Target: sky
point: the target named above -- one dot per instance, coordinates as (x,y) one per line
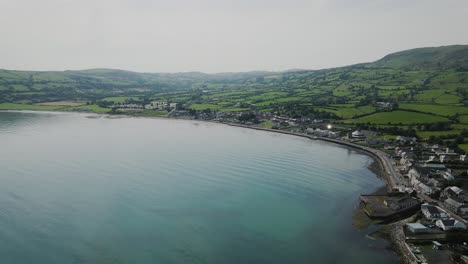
(220,35)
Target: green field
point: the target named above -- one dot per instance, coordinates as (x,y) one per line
(463,119)
(10,106)
(348,112)
(204,106)
(442,110)
(398,117)
(119,99)
(88,108)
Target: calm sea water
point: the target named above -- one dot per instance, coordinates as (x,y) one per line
(77,188)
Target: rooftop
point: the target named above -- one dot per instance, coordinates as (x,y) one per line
(416,226)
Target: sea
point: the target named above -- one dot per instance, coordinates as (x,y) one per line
(87,188)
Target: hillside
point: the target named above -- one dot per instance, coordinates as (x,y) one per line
(439,58)
(418,88)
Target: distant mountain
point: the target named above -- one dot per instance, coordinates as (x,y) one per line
(435,58)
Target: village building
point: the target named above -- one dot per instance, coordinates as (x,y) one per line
(406,139)
(463,212)
(432,159)
(384,104)
(433,213)
(453,192)
(453,205)
(464,158)
(420,187)
(322,132)
(450,224)
(358,134)
(432,166)
(413,173)
(446,155)
(447,175)
(402,203)
(417,228)
(435,184)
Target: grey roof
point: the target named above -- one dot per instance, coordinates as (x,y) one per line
(452,202)
(455,189)
(448,222)
(432,209)
(416,226)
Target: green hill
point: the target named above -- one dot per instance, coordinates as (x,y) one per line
(438,58)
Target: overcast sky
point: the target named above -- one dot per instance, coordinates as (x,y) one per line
(220,35)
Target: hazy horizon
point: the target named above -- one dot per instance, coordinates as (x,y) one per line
(220,36)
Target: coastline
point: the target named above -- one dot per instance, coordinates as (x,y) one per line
(377,166)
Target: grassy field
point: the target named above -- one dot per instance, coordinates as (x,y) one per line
(204,106)
(88,108)
(154,113)
(464,147)
(348,112)
(267,124)
(397,118)
(61,103)
(442,110)
(463,119)
(11,106)
(119,99)
(427,134)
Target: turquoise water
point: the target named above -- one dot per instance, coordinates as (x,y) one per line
(79,188)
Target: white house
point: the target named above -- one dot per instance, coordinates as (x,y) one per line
(413,173)
(464,158)
(447,175)
(358,134)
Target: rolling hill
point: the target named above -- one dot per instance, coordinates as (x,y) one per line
(439,58)
(423,86)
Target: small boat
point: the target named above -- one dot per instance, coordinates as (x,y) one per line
(315,138)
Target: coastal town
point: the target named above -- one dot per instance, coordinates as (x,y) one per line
(426,201)
(231,132)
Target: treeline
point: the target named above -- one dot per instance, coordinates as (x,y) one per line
(409,132)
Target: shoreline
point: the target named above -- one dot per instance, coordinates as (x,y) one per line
(380,170)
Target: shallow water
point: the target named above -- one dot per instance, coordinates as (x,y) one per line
(76,189)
